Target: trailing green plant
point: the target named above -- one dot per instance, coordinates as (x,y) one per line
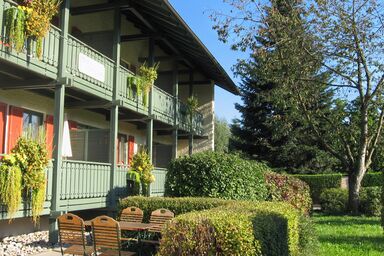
(289,189)
(10,184)
(148,76)
(15,18)
(218,175)
(32,157)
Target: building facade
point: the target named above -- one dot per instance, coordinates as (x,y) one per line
(85,75)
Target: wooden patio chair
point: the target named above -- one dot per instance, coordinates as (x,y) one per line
(158,218)
(106,235)
(132,214)
(72,232)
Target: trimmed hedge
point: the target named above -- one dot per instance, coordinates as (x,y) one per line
(335,201)
(217,175)
(284,188)
(373,179)
(320,182)
(178,205)
(207,226)
(382,203)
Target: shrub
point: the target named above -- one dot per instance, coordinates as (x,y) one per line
(289,189)
(318,183)
(209,233)
(218,175)
(372,179)
(239,228)
(334,201)
(177,205)
(382,203)
(370,201)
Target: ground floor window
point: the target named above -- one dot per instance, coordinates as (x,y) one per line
(32,122)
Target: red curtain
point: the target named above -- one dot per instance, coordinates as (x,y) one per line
(49,134)
(131,148)
(3,121)
(15,126)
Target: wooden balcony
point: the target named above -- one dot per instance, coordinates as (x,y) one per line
(99,83)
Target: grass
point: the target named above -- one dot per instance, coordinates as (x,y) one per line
(349,236)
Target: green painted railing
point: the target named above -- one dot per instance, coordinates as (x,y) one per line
(163,105)
(84,180)
(78,50)
(157,188)
(121,181)
(128,95)
(184,120)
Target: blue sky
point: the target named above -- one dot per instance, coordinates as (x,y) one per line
(196,14)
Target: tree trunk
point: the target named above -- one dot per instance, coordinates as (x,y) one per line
(354,184)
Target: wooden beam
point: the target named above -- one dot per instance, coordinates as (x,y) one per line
(91,8)
(137,37)
(162,58)
(170,72)
(89,105)
(200,82)
(141,120)
(28,85)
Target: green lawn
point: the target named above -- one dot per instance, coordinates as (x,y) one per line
(349,236)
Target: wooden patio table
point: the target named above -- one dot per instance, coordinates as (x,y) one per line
(129,226)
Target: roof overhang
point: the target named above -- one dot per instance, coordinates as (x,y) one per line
(166,20)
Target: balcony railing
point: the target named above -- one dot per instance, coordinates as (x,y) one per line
(91,72)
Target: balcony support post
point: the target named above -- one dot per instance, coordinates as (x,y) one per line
(1,18)
(151,62)
(59,123)
(190,138)
(176,109)
(114,122)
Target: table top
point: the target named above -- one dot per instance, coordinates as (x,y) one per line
(132,226)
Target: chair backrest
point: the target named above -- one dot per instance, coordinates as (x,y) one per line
(159,218)
(106,233)
(71,229)
(132,214)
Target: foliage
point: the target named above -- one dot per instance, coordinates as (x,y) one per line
(222,135)
(370,201)
(312,47)
(334,201)
(178,205)
(318,183)
(192,105)
(148,76)
(31,20)
(219,175)
(284,188)
(141,163)
(10,184)
(32,157)
(209,233)
(238,228)
(382,203)
(372,179)
(348,236)
(14,21)
(264,132)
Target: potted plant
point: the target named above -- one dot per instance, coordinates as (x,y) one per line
(192,104)
(141,170)
(148,76)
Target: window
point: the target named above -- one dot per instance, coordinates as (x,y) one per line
(32,122)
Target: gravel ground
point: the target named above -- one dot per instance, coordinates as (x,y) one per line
(25,245)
